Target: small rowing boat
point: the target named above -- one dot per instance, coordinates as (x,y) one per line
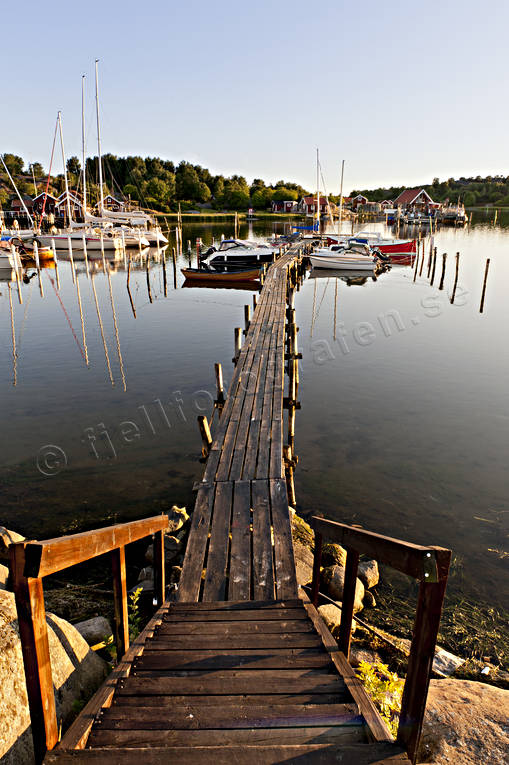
(203,274)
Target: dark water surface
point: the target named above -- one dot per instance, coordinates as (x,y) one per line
(404,421)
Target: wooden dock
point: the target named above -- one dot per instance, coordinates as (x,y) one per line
(241,668)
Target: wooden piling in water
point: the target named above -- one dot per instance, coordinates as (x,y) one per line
(219,387)
(481,307)
(174,258)
(237,333)
(455,278)
(254,302)
(444,259)
(434,265)
(247,318)
(206,436)
(129,289)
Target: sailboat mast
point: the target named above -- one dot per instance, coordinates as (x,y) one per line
(341,197)
(84,162)
(65,167)
(99,135)
(317,190)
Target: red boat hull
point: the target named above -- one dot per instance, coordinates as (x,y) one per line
(398,248)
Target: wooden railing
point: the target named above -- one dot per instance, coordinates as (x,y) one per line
(29,563)
(430,566)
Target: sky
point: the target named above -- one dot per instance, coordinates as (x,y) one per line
(403,92)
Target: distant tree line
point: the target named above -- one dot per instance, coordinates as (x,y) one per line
(154,183)
(478,191)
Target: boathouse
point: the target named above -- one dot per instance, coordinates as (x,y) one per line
(17,206)
(113,204)
(359,201)
(286,206)
(416,200)
(74,201)
(307,205)
(38,203)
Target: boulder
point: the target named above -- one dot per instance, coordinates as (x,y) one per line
(465,722)
(334,580)
(332,554)
(302,532)
(94,630)
(303,563)
(368,573)
(77,673)
(361,653)
(369,600)
(172,548)
(177,516)
(146,573)
(7,538)
(176,571)
(332,618)
(146,585)
(4,577)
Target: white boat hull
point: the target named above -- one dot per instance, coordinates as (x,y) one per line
(363,263)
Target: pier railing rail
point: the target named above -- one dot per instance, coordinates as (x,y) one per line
(428,565)
(30,562)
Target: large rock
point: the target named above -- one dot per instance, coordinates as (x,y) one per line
(333,554)
(172,548)
(4,577)
(334,580)
(7,538)
(368,573)
(77,673)
(303,563)
(177,516)
(302,531)
(332,617)
(465,722)
(94,630)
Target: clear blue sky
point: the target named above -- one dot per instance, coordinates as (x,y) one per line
(402,91)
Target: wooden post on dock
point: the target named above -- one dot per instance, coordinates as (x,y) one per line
(444,258)
(206,437)
(174,258)
(481,307)
(165,284)
(455,278)
(434,263)
(254,302)
(120,601)
(237,332)
(247,318)
(219,387)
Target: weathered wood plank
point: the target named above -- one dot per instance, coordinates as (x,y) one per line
(270,640)
(194,559)
(304,754)
(201,718)
(295,658)
(214,586)
(169,702)
(242,681)
(286,578)
(263,562)
(239,584)
(234,627)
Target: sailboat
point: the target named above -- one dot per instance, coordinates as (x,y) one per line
(125,220)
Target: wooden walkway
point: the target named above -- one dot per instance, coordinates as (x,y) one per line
(239,670)
(243,493)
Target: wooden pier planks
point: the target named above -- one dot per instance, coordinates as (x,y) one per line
(240,544)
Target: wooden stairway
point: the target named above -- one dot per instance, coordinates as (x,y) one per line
(238,682)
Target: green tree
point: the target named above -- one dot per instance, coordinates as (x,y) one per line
(14,163)
(37,169)
(130,191)
(73,166)
(189,185)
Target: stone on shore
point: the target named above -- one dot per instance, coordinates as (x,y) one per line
(7,538)
(332,618)
(368,573)
(303,563)
(334,580)
(77,673)
(4,577)
(466,722)
(94,630)
(177,516)
(333,554)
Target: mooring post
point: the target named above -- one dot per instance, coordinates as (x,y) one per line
(481,308)
(434,266)
(247,318)
(444,258)
(255,299)
(455,278)
(206,437)
(219,386)
(237,333)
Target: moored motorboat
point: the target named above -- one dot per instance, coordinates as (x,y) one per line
(239,253)
(344,262)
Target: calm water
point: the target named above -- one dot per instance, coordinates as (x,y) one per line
(404,418)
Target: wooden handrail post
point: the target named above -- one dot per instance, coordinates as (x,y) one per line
(120,601)
(159,571)
(206,436)
(33,632)
(219,386)
(317,562)
(348,601)
(422,651)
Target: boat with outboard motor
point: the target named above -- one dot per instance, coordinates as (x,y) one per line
(221,275)
(239,252)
